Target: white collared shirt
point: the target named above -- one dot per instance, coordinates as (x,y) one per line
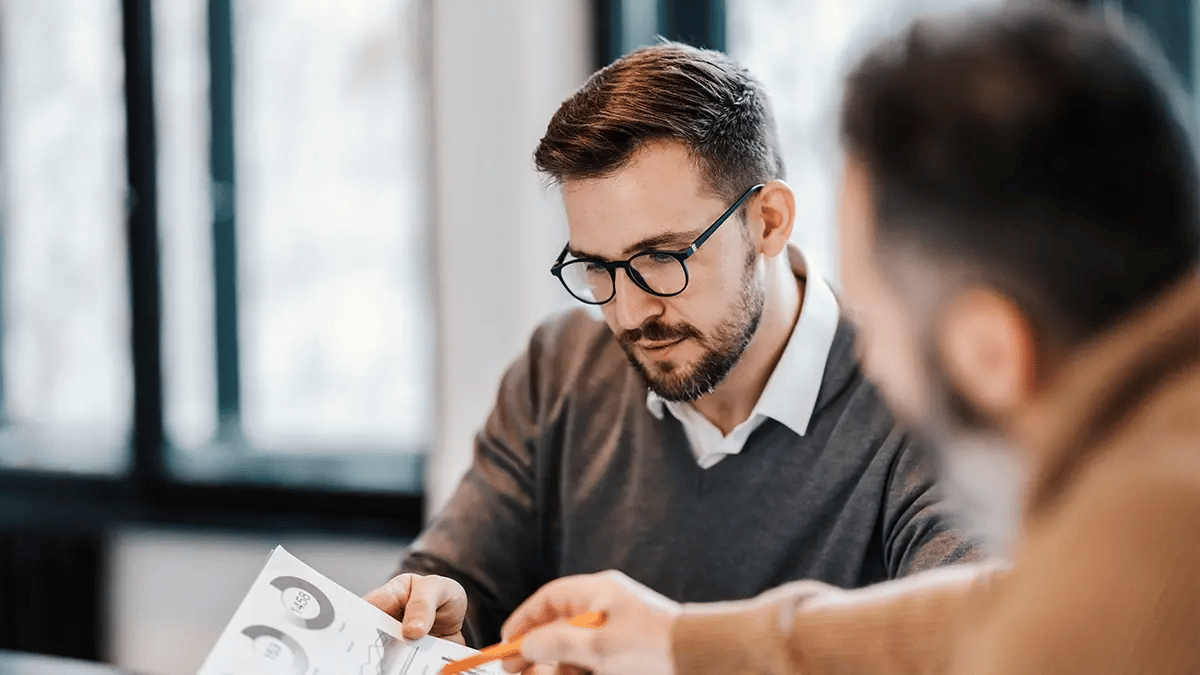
(790,396)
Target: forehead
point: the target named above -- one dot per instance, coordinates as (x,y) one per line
(659,193)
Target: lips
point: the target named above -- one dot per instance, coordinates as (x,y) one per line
(660,346)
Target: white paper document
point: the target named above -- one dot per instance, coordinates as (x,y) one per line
(294,621)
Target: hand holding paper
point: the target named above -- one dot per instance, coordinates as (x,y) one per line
(634,640)
(294,621)
(425,605)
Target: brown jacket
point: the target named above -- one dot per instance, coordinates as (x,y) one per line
(1106,576)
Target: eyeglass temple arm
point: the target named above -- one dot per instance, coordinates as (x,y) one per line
(724,216)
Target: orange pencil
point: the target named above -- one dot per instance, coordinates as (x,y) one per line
(507,649)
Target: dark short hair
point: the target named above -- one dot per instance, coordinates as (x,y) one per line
(667,92)
(1037,146)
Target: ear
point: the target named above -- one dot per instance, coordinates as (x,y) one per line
(988,348)
(771,215)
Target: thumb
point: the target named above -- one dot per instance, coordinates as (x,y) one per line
(564,643)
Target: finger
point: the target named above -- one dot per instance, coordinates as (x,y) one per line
(553,669)
(518,664)
(434,602)
(531,614)
(543,669)
(560,599)
(392,596)
(451,609)
(563,643)
(515,664)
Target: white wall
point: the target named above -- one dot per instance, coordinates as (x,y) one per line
(172,592)
(500,69)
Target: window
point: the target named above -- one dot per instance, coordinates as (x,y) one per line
(215,269)
(297,328)
(800,50)
(66,400)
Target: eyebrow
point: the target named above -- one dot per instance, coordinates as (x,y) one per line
(670,241)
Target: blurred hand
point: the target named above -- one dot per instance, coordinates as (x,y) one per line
(426,605)
(634,640)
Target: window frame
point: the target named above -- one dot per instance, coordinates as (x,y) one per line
(149,492)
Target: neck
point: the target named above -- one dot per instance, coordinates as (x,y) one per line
(734,399)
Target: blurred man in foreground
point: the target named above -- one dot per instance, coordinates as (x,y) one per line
(1020,235)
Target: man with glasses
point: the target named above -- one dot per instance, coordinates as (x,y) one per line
(713,435)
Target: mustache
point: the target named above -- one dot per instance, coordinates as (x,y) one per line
(657,331)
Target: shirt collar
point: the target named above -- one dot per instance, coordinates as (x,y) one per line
(790,396)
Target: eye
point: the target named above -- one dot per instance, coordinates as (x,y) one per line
(661,258)
(592,267)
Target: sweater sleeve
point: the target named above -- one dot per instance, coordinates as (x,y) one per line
(487,536)
(1112,585)
(918,529)
(896,628)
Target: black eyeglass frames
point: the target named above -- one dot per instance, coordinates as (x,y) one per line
(660,273)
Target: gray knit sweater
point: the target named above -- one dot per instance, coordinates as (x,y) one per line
(573,474)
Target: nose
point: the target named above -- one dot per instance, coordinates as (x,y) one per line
(631,305)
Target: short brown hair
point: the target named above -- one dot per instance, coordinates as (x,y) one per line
(667,92)
(1042,147)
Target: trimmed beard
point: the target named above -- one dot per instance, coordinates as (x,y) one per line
(728,342)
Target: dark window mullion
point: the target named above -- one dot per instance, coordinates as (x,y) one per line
(1173,24)
(623,25)
(224,202)
(142,237)
(697,22)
